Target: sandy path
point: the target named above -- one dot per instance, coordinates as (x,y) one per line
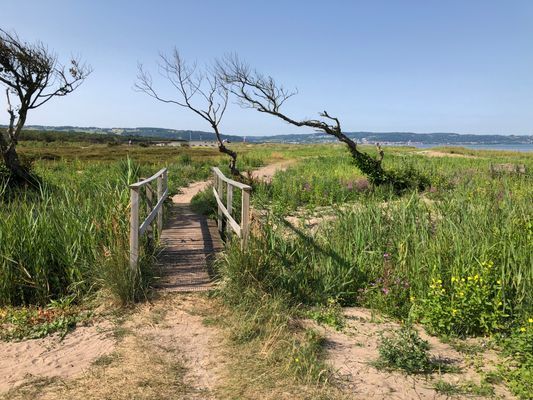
(164,351)
(352,352)
(264,173)
(434,153)
(50,357)
(169,327)
(267,172)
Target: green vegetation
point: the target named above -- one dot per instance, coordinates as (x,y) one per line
(518,348)
(406,351)
(37,322)
(456,257)
(465,388)
(265,320)
(70,237)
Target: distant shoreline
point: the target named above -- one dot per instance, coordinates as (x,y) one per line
(509,147)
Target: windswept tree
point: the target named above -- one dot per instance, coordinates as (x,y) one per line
(262,93)
(199,90)
(32,76)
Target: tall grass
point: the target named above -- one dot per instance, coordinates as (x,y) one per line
(68,238)
(71,236)
(387,250)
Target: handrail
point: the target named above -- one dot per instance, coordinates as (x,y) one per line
(148,180)
(242,230)
(137,229)
(233,183)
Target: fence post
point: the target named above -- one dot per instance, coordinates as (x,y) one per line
(160,211)
(229,206)
(245,217)
(134,229)
(149,205)
(220,189)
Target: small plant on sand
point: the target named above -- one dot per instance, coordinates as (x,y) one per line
(405,351)
(330,315)
(37,322)
(518,370)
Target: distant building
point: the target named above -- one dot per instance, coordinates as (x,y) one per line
(174,143)
(203,143)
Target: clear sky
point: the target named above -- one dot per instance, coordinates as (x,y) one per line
(420,66)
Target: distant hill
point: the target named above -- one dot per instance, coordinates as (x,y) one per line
(148,132)
(399,138)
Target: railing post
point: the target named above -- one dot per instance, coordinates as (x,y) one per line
(134,229)
(229,206)
(220,190)
(245,217)
(160,192)
(149,206)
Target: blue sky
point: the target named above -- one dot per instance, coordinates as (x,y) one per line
(420,66)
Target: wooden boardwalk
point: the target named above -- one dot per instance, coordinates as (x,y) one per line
(190,242)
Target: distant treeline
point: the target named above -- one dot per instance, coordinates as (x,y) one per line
(54,136)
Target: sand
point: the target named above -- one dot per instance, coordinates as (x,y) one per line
(52,357)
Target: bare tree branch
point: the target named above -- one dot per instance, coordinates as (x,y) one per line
(32,73)
(201,91)
(255,90)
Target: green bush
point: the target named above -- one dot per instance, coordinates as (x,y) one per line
(406,351)
(465,305)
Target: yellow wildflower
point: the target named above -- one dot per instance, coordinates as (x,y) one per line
(499,282)
(476,277)
(522,329)
(530,320)
(412,298)
(461,294)
(454,311)
(454,279)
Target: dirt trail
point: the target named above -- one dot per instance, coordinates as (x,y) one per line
(352,352)
(434,153)
(165,346)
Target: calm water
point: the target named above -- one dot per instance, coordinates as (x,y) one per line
(510,147)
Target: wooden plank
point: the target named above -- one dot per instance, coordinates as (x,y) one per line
(229,206)
(148,180)
(149,204)
(218,192)
(160,192)
(245,217)
(233,183)
(153,214)
(189,242)
(134,228)
(234,225)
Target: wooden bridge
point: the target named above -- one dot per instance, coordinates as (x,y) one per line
(189,241)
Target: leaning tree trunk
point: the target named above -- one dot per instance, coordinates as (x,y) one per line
(223,149)
(233,159)
(19,174)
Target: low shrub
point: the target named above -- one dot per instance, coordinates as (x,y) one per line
(406,351)
(465,305)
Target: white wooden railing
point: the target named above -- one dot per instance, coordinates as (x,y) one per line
(226,211)
(138,229)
